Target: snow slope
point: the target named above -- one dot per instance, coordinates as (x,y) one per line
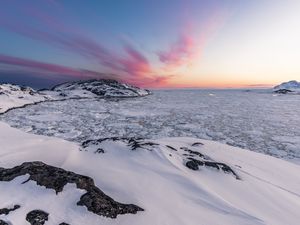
(16,96)
(156,178)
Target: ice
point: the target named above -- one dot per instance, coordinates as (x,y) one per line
(255,120)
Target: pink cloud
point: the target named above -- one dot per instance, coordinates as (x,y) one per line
(179,52)
(135,63)
(42,69)
(8,60)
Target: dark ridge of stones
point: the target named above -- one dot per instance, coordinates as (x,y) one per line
(2,222)
(197,144)
(6,211)
(56,178)
(194,164)
(64,224)
(133,143)
(37,217)
(283,91)
(99,150)
(136,143)
(170,147)
(193,152)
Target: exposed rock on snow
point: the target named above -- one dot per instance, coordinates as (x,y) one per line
(2,222)
(292,86)
(6,211)
(56,178)
(96,88)
(193,159)
(37,217)
(132,143)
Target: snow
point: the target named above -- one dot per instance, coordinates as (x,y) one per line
(156,177)
(170,193)
(254,120)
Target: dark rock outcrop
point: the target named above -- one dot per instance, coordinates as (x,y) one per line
(37,217)
(6,211)
(2,222)
(283,91)
(194,164)
(56,178)
(133,143)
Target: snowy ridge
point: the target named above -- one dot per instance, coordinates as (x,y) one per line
(12,96)
(94,88)
(288,87)
(16,96)
(154,175)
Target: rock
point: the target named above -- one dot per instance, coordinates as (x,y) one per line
(56,178)
(133,143)
(2,222)
(172,148)
(197,144)
(37,217)
(64,224)
(283,91)
(194,164)
(6,211)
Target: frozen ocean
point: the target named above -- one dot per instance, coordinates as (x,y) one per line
(252,119)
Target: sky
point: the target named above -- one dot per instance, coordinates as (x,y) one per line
(151,43)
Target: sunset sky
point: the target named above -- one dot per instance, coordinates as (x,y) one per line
(154,43)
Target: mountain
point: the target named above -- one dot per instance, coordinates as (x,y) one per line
(137,181)
(288,87)
(12,96)
(16,96)
(98,88)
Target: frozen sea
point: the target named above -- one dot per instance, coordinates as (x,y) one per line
(257,120)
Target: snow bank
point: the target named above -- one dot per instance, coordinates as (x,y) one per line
(155,178)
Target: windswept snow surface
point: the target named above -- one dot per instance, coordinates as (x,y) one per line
(255,120)
(156,180)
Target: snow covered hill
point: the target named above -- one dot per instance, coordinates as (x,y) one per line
(16,96)
(288,87)
(96,88)
(167,181)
